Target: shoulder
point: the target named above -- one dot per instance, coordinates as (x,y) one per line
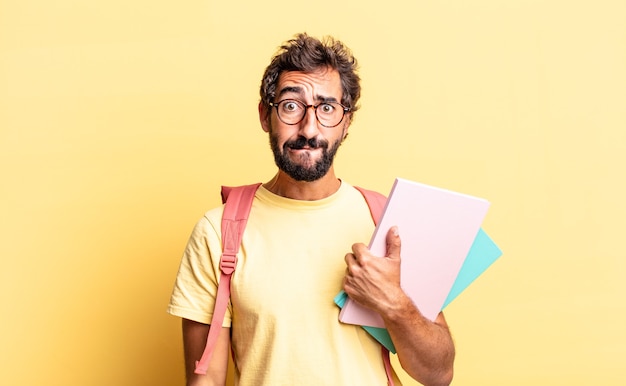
(360,188)
(208,225)
(375,201)
(371,196)
(370,193)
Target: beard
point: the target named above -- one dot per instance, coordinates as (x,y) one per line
(302,172)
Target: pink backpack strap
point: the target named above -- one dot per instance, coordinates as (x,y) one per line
(376,202)
(238,202)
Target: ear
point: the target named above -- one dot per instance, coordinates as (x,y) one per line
(346,124)
(264,117)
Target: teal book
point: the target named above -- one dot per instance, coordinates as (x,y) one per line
(483,253)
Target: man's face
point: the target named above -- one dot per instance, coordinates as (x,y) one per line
(305,151)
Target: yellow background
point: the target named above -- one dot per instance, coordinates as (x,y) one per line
(120,119)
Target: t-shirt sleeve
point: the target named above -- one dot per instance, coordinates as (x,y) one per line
(195,289)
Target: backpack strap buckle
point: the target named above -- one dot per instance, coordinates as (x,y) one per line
(228,262)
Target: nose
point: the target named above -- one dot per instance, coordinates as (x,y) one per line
(308,126)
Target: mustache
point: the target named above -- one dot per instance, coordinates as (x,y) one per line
(301,142)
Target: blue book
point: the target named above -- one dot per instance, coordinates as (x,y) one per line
(482,254)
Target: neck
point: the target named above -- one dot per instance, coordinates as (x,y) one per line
(285,186)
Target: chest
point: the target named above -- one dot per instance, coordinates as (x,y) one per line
(297,259)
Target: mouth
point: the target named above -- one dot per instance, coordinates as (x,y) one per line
(294,148)
(305,152)
(303,144)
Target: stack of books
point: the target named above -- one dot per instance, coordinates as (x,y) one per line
(443,250)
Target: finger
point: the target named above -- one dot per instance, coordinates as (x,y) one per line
(350,259)
(359,248)
(393,242)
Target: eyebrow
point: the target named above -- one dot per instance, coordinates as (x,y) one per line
(298,90)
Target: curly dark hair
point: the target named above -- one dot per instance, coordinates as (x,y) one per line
(307,54)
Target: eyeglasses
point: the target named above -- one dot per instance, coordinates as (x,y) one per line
(292,112)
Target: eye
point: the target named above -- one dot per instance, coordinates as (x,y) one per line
(326,108)
(291,106)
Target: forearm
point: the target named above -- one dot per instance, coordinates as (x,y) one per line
(425,348)
(194,339)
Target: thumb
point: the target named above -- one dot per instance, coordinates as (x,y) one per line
(393,242)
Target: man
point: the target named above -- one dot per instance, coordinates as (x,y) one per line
(282,323)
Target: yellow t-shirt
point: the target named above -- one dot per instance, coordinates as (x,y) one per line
(284,323)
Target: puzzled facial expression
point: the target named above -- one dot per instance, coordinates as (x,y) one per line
(306,150)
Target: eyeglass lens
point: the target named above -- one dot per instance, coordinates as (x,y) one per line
(292,111)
